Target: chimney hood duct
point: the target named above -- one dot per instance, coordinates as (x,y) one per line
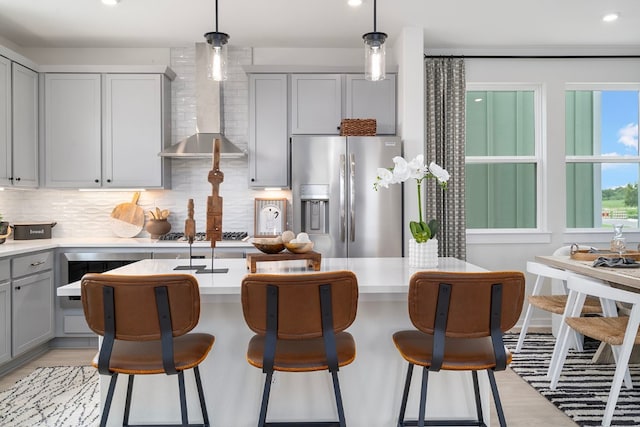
(208,119)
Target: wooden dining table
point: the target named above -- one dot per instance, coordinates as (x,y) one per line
(627,278)
(624,277)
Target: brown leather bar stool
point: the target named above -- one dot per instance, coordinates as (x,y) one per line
(144,322)
(460,319)
(299,321)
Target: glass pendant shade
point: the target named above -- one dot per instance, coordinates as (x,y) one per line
(217,63)
(374,56)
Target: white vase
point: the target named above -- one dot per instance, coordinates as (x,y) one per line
(423,255)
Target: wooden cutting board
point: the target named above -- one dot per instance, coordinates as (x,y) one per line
(127,219)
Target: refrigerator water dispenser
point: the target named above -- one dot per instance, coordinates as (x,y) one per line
(315,208)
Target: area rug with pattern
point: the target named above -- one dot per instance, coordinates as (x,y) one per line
(584,386)
(61,396)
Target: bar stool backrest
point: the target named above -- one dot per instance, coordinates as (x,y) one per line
(136,311)
(299,309)
(470,301)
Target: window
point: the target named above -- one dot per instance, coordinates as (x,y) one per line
(602,156)
(502,157)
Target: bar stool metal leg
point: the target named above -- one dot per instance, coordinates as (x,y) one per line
(127,406)
(496,398)
(265,399)
(336,391)
(476,389)
(183,399)
(203,406)
(107,403)
(405,395)
(423,396)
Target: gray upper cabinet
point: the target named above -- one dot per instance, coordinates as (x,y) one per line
(316,104)
(268,131)
(25,126)
(18,125)
(72,128)
(133,131)
(319,102)
(5,121)
(109,127)
(372,100)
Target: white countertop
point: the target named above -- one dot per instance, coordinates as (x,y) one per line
(17,247)
(375,275)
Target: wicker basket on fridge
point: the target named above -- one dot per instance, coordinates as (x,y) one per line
(358,127)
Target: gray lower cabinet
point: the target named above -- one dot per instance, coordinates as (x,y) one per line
(32,305)
(5,312)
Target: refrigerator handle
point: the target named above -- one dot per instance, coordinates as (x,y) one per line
(342,201)
(352,196)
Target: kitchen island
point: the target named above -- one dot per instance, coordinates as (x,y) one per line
(371,385)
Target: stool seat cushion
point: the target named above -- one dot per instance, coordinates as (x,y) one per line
(145,357)
(460,354)
(302,355)
(556,304)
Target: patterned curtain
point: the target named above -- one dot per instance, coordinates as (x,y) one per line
(445,145)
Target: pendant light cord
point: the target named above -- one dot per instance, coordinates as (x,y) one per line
(216,16)
(374,15)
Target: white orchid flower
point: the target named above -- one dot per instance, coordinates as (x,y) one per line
(401,171)
(441,174)
(417,170)
(417,167)
(384,178)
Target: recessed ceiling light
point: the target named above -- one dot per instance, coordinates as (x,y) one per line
(110,2)
(478,100)
(354,3)
(610,17)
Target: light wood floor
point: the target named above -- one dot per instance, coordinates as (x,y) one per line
(523,406)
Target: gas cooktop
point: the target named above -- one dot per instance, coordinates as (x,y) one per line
(200,236)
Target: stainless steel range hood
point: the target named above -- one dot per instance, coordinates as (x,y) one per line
(209,120)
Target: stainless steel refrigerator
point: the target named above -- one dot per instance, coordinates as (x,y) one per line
(334,200)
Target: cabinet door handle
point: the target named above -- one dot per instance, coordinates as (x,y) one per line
(37,263)
(18,179)
(17,288)
(96,181)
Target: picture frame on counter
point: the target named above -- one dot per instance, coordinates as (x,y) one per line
(270,217)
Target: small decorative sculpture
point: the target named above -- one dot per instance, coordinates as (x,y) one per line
(214,202)
(190,223)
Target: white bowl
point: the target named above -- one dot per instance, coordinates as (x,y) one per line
(299,248)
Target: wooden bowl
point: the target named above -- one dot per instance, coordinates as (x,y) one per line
(299,248)
(269,248)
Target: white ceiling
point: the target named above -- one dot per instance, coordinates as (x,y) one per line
(447,24)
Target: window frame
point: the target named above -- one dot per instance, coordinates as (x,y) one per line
(539,234)
(587,233)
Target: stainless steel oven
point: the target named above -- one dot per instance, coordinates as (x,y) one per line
(72,265)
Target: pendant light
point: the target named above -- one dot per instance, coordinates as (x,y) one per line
(217,64)
(374,52)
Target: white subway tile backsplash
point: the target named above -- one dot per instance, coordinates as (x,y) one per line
(82,214)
